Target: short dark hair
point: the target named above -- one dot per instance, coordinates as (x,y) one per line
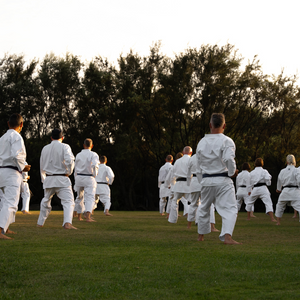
(56,134)
(169,158)
(246,166)
(217,120)
(259,162)
(103,159)
(178,155)
(88,143)
(15,120)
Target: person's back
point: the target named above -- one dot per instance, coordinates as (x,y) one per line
(215,154)
(56,164)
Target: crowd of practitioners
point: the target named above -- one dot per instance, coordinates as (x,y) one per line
(57,162)
(203,182)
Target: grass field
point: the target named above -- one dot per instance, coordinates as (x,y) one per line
(139,255)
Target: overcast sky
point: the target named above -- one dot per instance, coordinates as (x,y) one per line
(268,29)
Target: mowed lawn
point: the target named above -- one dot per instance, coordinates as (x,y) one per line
(139,255)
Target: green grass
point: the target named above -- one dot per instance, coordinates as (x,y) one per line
(139,255)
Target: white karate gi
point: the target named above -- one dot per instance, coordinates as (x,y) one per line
(243,188)
(215,154)
(181,189)
(57,158)
(290,176)
(260,175)
(195,188)
(164,191)
(12,153)
(86,169)
(104,179)
(25,192)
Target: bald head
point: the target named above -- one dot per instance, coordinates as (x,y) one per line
(187,150)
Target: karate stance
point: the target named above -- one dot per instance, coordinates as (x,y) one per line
(216,164)
(195,188)
(56,165)
(243,188)
(12,164)
(25,194)
(104,179)
(164,191)
(259,180)
(86,169)
(288,186)
(181,189)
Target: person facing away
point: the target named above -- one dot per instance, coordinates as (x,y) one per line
(216,166)
(181,189)
(12,164)
(86,169)
(56,165)
(243,187)
(259,180)
(104,179)
(288,183)
(164,192)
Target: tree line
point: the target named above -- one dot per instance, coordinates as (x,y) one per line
(143,108)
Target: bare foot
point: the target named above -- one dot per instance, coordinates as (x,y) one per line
(215,230)
(200,237)
(90,220)
(189,225)
(39,225)
(10,232)
(108,214)
(25,212)
(69,226)
(294,217)
(274,220)
(248,219)
(252,216)
(229,241)
(75,214)
(4,237)
(162,214)
(277,223)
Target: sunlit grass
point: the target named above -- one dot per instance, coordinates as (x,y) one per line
(139,255)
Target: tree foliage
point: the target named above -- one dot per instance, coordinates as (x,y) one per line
(147,107)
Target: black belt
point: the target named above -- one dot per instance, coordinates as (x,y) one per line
(24,180)
(225,174)
(290,186)
(66,175)
(85,174)
(243,186)
(11,167)
(194,175)
(259,184)
(181,179)
(102,183)
(162,182)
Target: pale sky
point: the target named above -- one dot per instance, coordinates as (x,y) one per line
(88,28)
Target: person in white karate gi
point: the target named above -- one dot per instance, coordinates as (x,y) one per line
(25,194)
(259,180)
(216,164)
(243,187)
(164,191)
(181,189)
(56,165)
(86,169)
(12,164)
(169,184)
(104,179)
(288,183)
(195,188)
